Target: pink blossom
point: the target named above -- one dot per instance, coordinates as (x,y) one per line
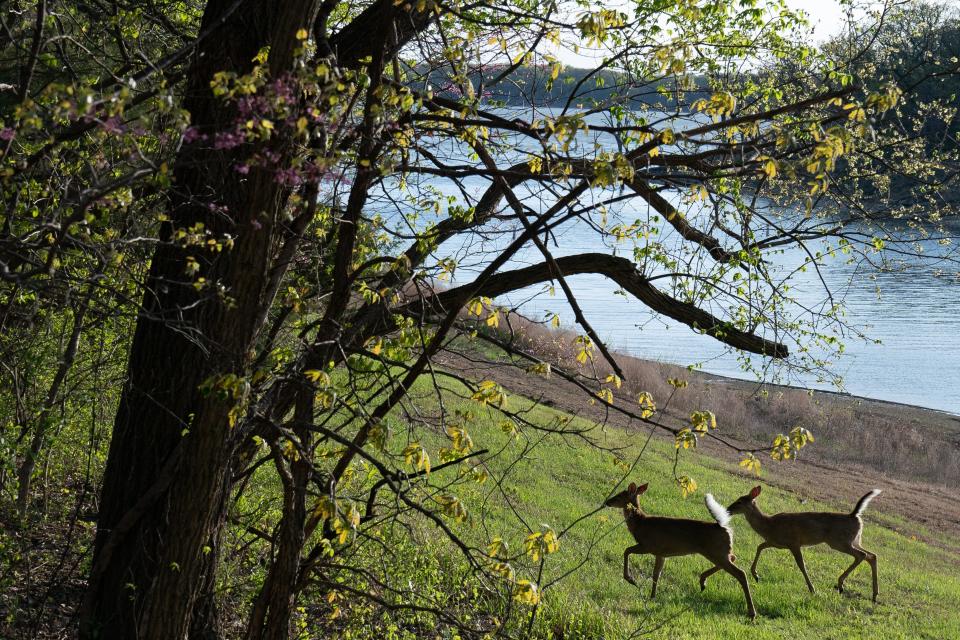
(283,88)
(192,134)
(6,134)
(248,106)
(242,169)
(113,125)
(227,140)
(287,177)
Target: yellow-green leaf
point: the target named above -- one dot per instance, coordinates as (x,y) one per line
(751,463)
(647,406)
(686,438)
(415,455)
(687,485)
(526,592)
(703,421)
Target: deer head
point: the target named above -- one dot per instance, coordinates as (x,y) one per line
(744,502)
(627,497)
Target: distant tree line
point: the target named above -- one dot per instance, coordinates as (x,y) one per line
(554,85)
(916,48)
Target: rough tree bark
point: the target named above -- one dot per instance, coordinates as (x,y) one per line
(168,472)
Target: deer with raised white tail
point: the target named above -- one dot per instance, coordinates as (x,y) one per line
(665,537)
(792,531)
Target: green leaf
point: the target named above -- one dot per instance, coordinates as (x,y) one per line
(751,463)
(703,421)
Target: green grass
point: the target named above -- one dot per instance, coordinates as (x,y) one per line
(562,478)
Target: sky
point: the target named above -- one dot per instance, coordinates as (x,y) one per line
(826,16)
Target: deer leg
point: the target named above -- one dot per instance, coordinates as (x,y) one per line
(871,558)
(626,562)
(859,556)
(728,566)
(756,559)
(798,556)
(657,569)
(706,574)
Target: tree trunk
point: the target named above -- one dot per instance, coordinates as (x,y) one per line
(270,617)
(166,484)
(168,472)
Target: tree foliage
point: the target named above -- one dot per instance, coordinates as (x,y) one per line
(280,222)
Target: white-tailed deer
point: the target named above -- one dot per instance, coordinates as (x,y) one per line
(795,530)
(665,537)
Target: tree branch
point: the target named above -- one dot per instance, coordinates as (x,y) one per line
(625,274)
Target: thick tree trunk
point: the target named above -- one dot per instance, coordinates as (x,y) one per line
(168,473)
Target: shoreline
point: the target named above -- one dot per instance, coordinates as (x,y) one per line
(902,440)
(725,379)
(942,419)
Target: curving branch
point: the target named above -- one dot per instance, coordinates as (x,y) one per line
(624,273)
(679,222)
(353,43)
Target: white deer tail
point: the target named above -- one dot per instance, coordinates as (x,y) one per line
(721,515)
(864,501)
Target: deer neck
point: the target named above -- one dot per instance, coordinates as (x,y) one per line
(758,520)
(634,517)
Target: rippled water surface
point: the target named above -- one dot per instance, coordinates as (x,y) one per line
(911,316)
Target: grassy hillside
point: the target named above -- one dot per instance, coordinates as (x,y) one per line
(561,478)
(538,479)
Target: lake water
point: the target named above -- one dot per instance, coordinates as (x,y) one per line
(911,316)
(911,353)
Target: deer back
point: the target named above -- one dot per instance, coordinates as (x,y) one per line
(678,536)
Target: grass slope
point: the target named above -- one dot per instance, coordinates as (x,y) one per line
(562,478)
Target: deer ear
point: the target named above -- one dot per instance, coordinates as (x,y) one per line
(755,492)
(641,488)
(632,488)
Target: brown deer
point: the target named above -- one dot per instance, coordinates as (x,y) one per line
(795,530)
(665,537)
